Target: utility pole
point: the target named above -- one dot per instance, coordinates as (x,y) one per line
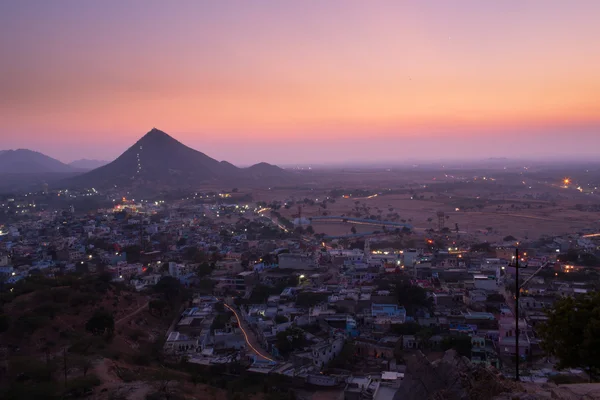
(518,289)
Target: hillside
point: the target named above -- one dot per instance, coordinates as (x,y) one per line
(45,326)
(87,165)
(265,170)
(23,161)
(50,348)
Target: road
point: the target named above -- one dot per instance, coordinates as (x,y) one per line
(246,335)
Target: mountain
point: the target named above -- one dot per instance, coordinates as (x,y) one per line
(87,165)
(24,161)
(157,160)
(265,170)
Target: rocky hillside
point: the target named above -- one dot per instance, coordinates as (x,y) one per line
(455,378)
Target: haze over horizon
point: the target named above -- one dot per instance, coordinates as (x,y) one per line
(295,82)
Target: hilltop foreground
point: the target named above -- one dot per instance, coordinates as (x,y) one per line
(454,377)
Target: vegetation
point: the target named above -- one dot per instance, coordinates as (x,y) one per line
(308,299)
(412,297)
(101,323)
(345,358)
(291,339)
(482,247)
(572,333)
(461,343)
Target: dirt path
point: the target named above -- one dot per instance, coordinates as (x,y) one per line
(139,310)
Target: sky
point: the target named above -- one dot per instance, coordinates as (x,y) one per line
(302,82)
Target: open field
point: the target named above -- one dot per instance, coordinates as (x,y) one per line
(483,209)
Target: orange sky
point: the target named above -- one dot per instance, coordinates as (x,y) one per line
(87,79)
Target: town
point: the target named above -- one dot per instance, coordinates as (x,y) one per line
(241,285)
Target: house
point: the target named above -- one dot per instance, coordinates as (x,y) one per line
(296,261)
(507,340)
(178,342)
(387,310)
(323,353)
(229,338)
(145,281)
(474,296)
(482,351)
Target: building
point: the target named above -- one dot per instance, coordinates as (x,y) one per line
(324,353)
(297,261)
(178,342)
(387,310)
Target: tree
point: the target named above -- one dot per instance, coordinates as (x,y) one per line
(204,269)
(495,298)
(345,357)
(158,307)
(408,328)
(101,322)
(510,238)
(482,247)
(83,363)
(169,287)
(310,230)
(412,297)
(572,333)
(289,340)
(310,299)
(353,229)
(399,351)
(424,337)
(461,343)
(194,254)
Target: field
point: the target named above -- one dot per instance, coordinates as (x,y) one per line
(483,210)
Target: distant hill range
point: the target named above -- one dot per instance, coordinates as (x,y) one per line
(87,165)
(24,161)
(160,161)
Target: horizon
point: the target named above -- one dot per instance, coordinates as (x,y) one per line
(536,159)
(287,83)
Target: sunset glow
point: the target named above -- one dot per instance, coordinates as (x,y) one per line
(236,79)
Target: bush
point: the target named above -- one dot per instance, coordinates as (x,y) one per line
(101,322)
(82,385)
(28,324)
(38,391)
(562,379)
(61,295)
(83,299)
(136,334)
(4,323)
(30,369)
(48,310)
